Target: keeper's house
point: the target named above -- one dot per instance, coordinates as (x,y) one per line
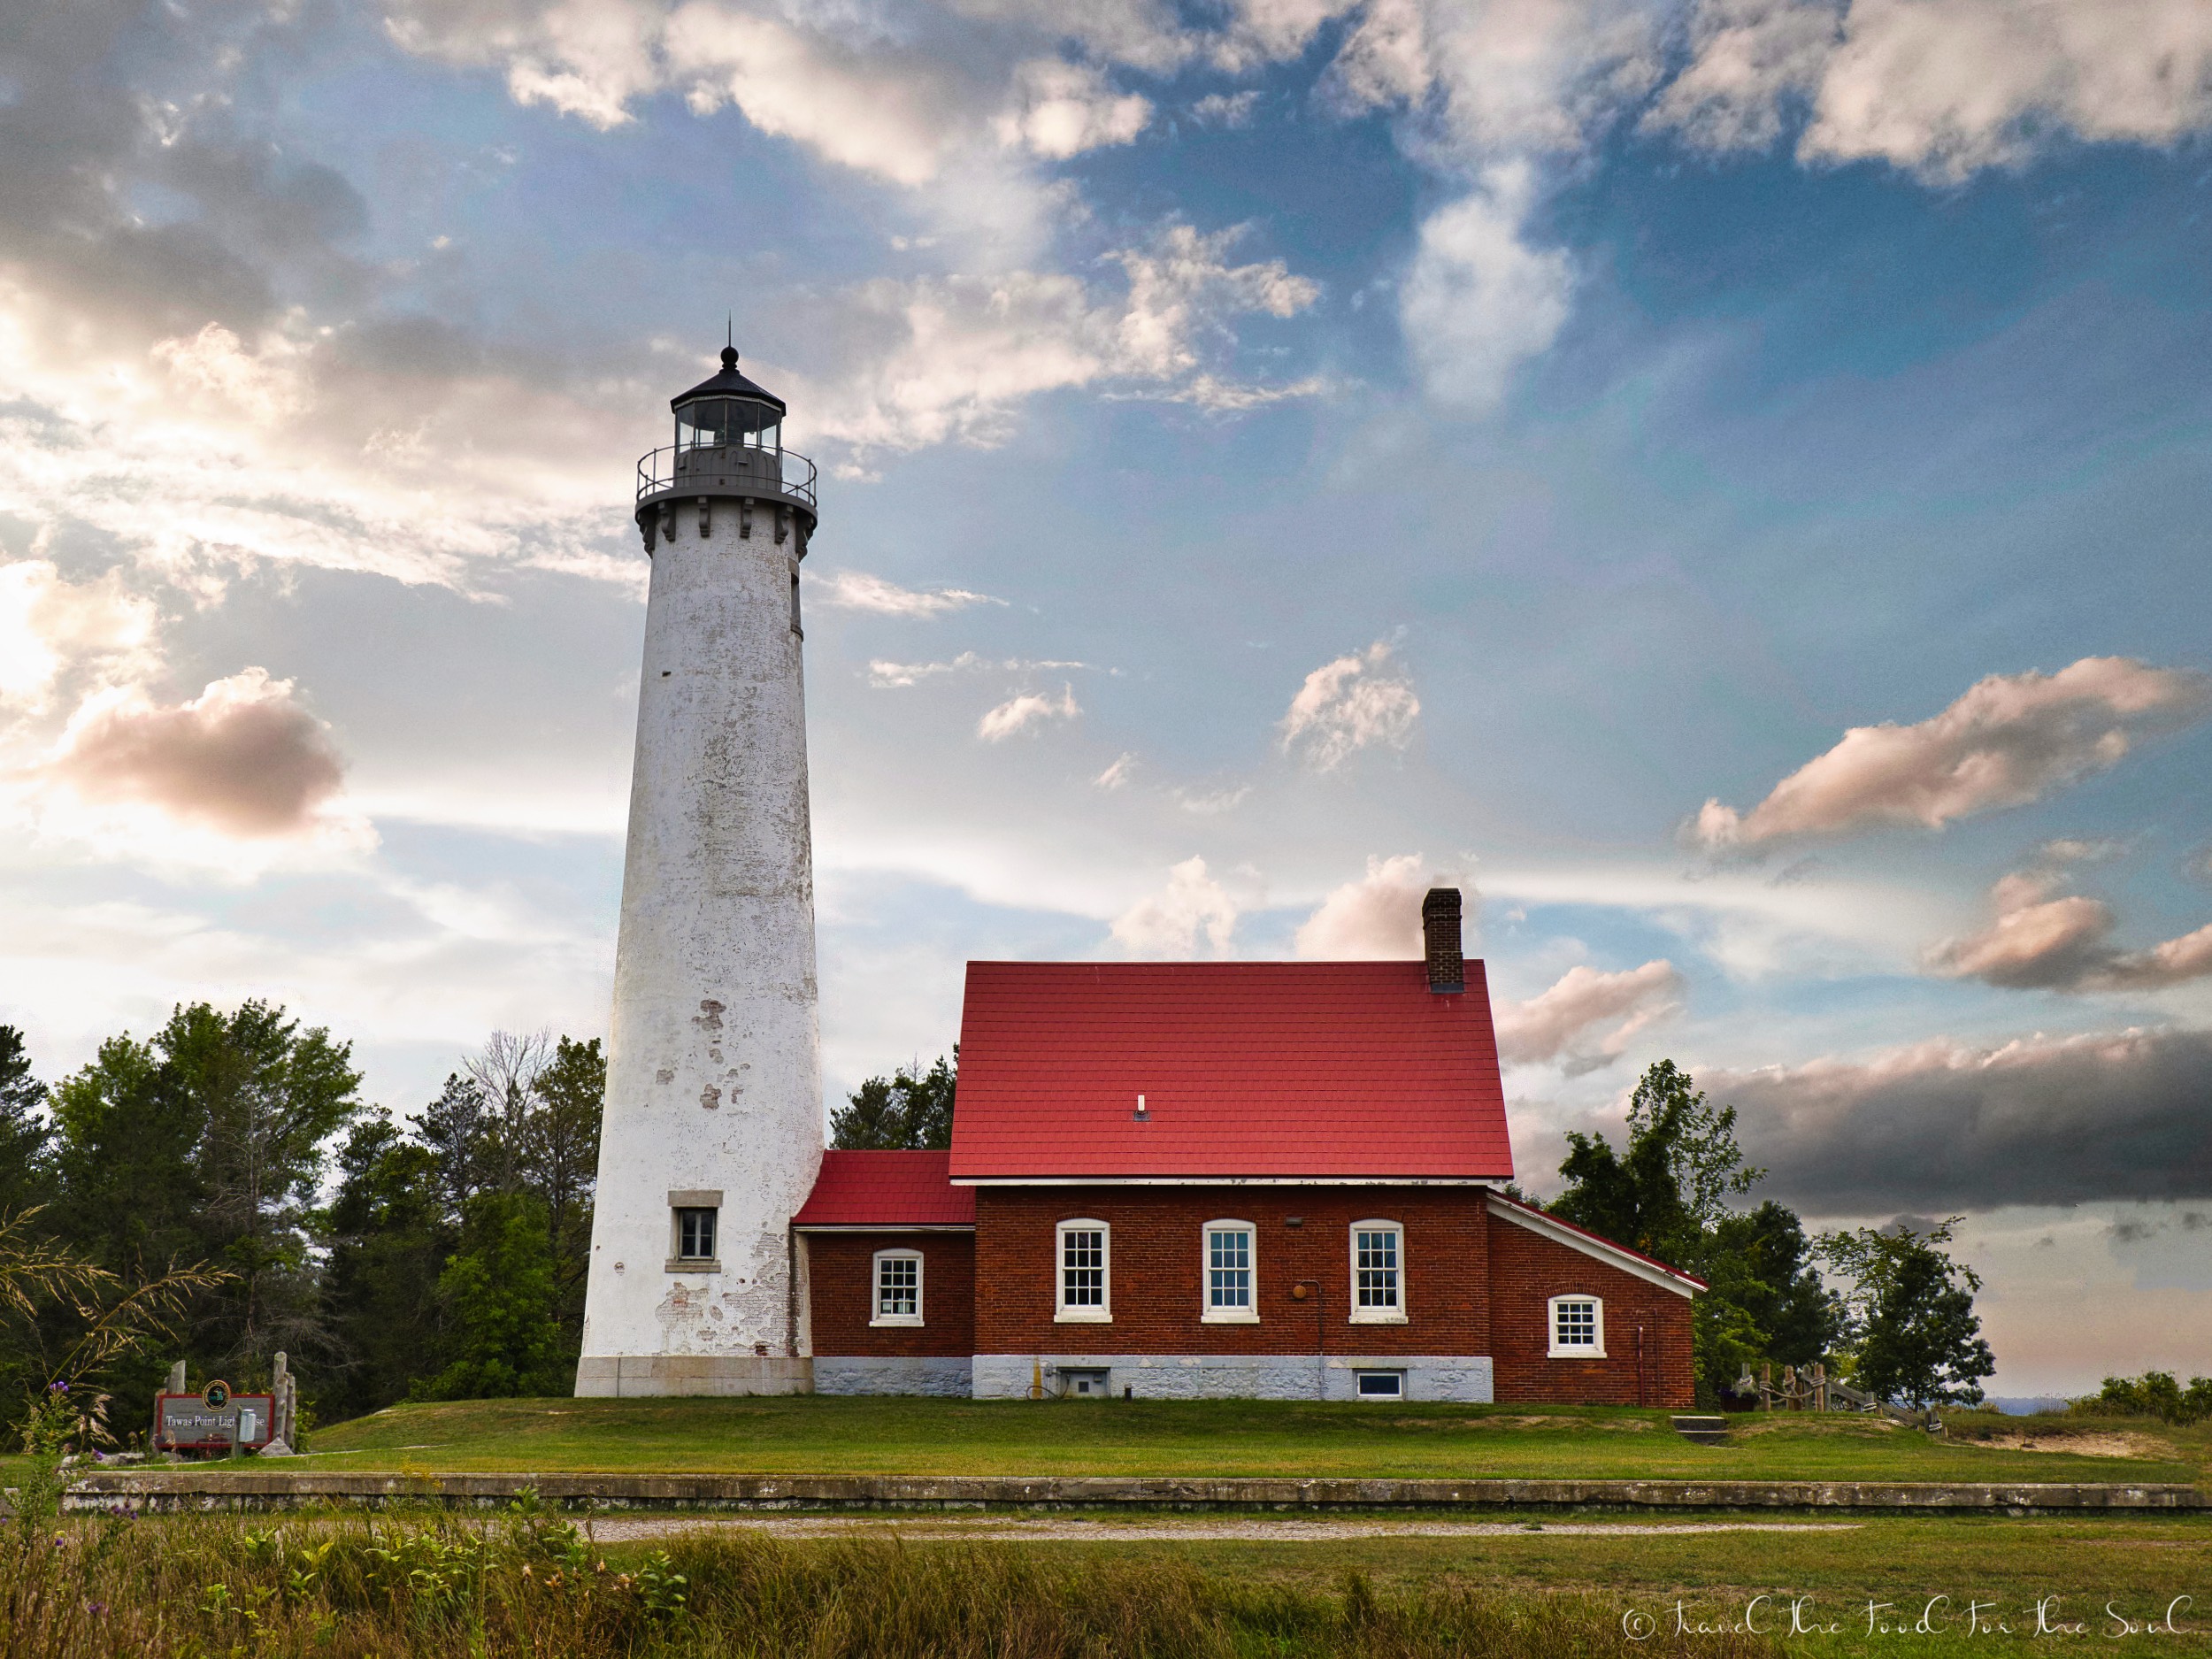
(1267,1179)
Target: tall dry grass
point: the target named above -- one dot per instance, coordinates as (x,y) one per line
(442,1588)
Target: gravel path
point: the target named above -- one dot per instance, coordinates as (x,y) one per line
(1015,1529)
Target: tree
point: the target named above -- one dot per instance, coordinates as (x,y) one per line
(25,1175)
(267,1096)
(561,1160)
(1912,1334)
(1764,1263)
(457,1128)
(388,1239)
(906,1111)
(1667,1194)
(506,1069)
(206,1144)
(499,1289)
(1670,1189)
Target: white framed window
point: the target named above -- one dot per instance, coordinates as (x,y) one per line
(1379,1385)
(898,1281)
(1228,1261)
(693,1229)
(1082,1250)
(1577,1327)
(1379,1273)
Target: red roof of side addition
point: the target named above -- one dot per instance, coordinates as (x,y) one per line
(886,1189)
(1343,1071)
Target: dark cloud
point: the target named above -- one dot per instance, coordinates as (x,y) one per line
(243,757)
(1943,1128)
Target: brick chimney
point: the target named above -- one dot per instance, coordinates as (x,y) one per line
(1440,939)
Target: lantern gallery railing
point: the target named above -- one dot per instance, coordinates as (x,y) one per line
(674,466)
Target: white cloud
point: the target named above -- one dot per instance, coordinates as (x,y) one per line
(1118,775)
(1375,918)
(244,757)
(1025,712)
(1352,704)
(1589,1018)
(1942,88)
(2011,739)
(1478,301)
(955,356)
(1225,109)
(856,590)
(2041,939)
(1171,922)
(890,676)
(1063,109)
(50,626)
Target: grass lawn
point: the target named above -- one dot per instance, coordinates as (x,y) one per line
(817,1435)
(2137,1564)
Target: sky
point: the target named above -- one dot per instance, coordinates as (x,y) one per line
(1724,481)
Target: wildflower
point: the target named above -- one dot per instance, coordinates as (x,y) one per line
(57,1387)
(95,1608)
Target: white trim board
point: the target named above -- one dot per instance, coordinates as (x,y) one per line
(1612,1255)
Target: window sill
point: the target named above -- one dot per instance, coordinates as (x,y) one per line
(1229,1316)
(694,1265)
(1083,1316)
(1576,1353)
(1379,1315)
(911,1321)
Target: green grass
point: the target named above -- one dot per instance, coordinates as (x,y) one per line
(814,1434)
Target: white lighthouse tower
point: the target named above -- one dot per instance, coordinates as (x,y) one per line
(712,1135)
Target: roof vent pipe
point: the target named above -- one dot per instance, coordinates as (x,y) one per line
(1439,941)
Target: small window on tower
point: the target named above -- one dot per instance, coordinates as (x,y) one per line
(795,628)
(695,1235)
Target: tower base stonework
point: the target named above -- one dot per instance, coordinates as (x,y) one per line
(641,1376)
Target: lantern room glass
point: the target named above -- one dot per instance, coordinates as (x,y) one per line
(718,423)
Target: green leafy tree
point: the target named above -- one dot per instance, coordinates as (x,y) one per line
(561,1163)
(1912,1336)
(1669,1193)
(910,1110)
(26,1137)
(388,1236)
(205,1143)
(499,1293)
(2156,1393)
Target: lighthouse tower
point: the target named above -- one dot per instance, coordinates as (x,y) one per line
(712,1135)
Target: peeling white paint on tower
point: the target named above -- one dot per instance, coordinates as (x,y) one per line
(714,1097)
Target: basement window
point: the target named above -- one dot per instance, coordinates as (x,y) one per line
(1577,1327)
(898,1278)
(1379,1385)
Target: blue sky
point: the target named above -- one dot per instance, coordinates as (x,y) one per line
(1275,454)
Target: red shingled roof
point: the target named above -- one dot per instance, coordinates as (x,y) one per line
(1315,1070)
(886,1189)
(1500,1202)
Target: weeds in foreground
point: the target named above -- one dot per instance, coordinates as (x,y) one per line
(532,1585)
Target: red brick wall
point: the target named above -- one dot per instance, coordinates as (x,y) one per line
(840,1268)
(1527,1271)
(1157,1275)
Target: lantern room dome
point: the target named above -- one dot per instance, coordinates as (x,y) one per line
(729,383)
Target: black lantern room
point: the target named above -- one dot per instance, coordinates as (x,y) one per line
(728,450)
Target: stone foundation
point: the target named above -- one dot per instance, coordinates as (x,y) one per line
(1462,1378)
(867,1374)
(636,1376)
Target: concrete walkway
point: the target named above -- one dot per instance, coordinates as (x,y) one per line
(263,1488)
(1287,1530)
